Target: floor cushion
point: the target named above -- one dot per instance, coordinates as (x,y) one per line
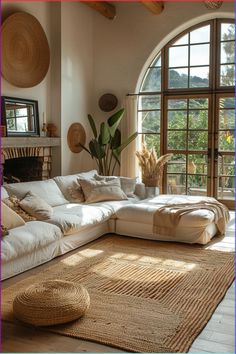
(51,302)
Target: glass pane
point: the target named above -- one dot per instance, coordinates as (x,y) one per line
(227,102)
(156,61)
(198,103)
(199,54)
(178,78)
(10,113)
(22,112)
(177,120)
(227,31)
(176,140)
(197,164)
(152,81)
(153,141)
(177,164)
(199,77)
(150,121)
(227,119)
(198,119)
(176,184)
(197,140)
(149,102)
(182,40)
(177,104)
(226,141)
(11,124)
(226,165)
(227,52)
(227,75)
(197,185)
(22,124)
(226,188)
(178,56)
(200,35)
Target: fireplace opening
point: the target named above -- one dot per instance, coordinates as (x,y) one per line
(23,169)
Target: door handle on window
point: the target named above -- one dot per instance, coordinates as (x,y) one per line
(217,154)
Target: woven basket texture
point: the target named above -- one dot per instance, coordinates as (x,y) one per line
(146,296)
(51,302)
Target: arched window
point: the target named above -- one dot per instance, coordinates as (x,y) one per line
(186,107)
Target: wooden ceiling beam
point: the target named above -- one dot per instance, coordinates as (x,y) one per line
(156,7)
(103,7)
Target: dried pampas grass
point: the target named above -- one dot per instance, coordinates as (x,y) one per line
(151,166)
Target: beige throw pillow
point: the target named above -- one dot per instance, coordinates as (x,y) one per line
(13,203)
(75,193)
(127,184)
(36,206)
(97,191)
(10,219)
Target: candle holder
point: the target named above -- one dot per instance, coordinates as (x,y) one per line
(44,129)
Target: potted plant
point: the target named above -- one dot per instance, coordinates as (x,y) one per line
(106,146)
(151,168)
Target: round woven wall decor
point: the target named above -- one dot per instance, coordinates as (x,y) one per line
(76,135)
(107,102)
(213,4)
(25,50)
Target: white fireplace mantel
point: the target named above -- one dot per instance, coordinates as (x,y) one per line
(15,142)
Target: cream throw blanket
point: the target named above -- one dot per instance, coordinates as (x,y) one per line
(167,217)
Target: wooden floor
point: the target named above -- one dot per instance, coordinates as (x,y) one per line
(216,337)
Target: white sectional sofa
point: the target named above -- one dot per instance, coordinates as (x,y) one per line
(75,224)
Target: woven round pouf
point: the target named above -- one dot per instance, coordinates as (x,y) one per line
(51,302)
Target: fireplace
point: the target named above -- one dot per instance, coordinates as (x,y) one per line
(28,158)
(26,164)
(23,169)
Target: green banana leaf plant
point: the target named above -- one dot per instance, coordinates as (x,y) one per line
(106,146)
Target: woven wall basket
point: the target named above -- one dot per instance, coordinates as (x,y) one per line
(76,135)
(25,50)
(213,4)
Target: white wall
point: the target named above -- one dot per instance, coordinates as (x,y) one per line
(40,92)
(122,46)
(76,79)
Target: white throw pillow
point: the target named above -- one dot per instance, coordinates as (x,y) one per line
(36,206)
(97,191)
(10,219)
(47,190)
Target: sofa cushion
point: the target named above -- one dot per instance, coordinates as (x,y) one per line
(47,190)
(10,218)
(96,191)
(36,206)
(144,210)
(70,188)
(28,238)
(72,218)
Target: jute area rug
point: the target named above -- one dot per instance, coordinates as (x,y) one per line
(146,296)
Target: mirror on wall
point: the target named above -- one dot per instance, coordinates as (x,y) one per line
(20,116)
